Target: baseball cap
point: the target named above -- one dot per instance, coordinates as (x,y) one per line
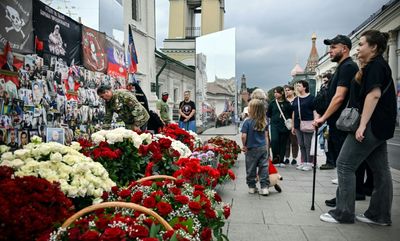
(339,39)
(164,93)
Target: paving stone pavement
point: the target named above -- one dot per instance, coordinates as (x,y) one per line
(287,216)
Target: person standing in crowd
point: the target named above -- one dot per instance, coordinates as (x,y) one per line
(163,109)
(303,110)
(187,110)
(279,111)
(125,104)
(255,146)
(339,52)
(339,86)
(374,93)
(292,140)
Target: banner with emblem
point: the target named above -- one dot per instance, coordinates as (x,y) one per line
(16,25)
(116,58)
(93,46)
(59,34)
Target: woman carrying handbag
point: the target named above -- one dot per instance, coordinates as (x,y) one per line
(279,110)
(303,116)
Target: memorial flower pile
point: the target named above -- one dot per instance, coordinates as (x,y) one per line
(78,175)
(118,151)
(198,213)
(30,206)
(175,132)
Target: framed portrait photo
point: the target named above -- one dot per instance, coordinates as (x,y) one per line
(55,135)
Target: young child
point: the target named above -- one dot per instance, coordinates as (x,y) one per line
(255,146)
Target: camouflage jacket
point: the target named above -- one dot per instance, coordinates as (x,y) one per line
(128,108)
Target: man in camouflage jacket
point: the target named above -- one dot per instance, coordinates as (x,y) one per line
(125,104)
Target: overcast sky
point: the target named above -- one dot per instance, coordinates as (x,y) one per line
(272,34)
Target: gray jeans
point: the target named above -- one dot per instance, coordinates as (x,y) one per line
(352,154)
(257,157)
(304,140)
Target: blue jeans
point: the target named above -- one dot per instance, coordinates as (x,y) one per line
(257,157)
(353,153)
(188,125)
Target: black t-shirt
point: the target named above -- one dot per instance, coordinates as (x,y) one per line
(186,108)
(344,73)
(377,73)
(275,115)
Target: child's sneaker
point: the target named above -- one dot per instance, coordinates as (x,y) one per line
(264,191)
(252,190)
(294,162)
(287,161)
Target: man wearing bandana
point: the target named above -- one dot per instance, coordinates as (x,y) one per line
(163,109)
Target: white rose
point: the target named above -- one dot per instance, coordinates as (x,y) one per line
(97,138)
(16,163)
(76,146)
(146,137)
(36,139)
(22,153)
(56,157)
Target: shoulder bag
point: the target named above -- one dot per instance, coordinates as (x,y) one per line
(305,125)
(288,122)
(350,117)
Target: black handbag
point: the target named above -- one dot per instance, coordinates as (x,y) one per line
(349,119)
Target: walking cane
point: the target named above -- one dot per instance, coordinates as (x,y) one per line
(315,168)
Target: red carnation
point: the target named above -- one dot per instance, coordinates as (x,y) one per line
(137,197)
(115,189)
(113,234)
(149,202)
(90,235)
(206,234)
(124,193)
(164,208)
(195,207)
(138,231)
(182,199)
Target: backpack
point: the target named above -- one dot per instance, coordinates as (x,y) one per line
(321,100)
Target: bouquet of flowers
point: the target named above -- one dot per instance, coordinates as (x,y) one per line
(30,206)
(162,154)
(195,212)
(118,151)
(78,175)
(175,132)
(206,158)
(193,172)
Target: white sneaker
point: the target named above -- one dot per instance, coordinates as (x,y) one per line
(252,190)
(335,181)
(362,218)
(307,167)
(326,217)
(264,191)
(300,166)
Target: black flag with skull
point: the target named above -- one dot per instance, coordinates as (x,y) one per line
(16,25)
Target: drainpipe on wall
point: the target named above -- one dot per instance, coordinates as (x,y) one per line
(158,74)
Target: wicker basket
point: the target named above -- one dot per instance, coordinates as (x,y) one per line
(154,177)
(134,206)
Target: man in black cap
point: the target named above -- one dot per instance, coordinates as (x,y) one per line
(339,86)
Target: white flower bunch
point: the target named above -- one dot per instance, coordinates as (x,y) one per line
(176,145)
(119,135)
(197,141)
(4,148)
(78,175)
